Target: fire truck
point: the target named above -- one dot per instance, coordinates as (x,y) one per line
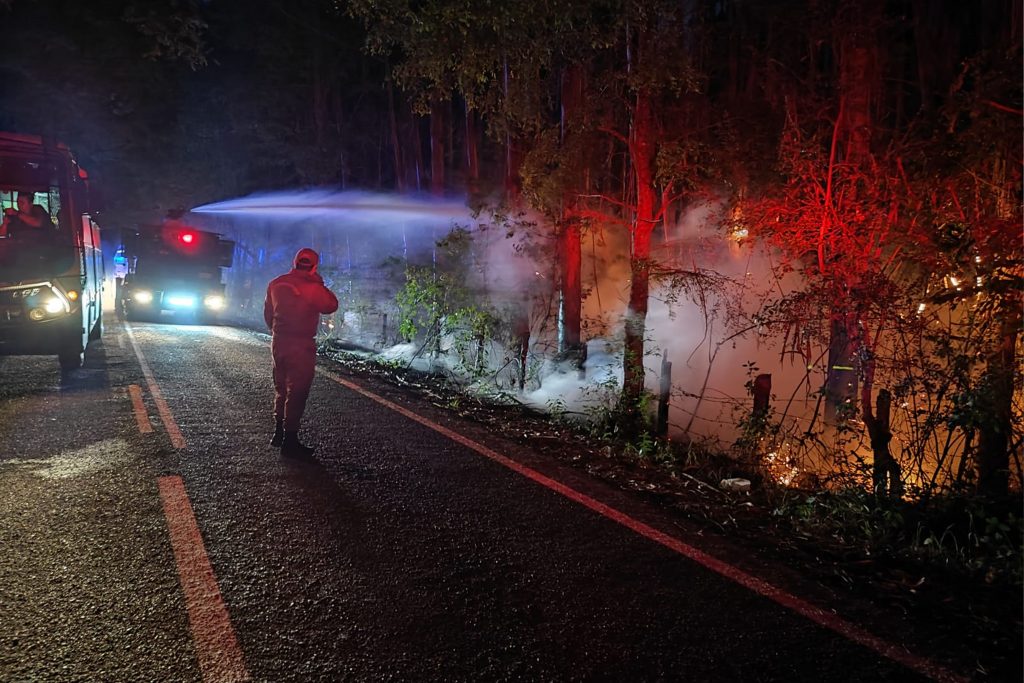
(173,268)
(51,263)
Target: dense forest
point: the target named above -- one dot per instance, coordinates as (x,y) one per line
(831,185)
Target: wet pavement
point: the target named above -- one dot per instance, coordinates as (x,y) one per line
(397,553)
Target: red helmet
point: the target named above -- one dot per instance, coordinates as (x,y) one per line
(306,259)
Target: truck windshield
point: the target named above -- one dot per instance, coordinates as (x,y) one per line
(31,185)
(34,237)
(31,213)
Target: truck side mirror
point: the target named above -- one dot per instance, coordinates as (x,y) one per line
(86,199)
(94,203)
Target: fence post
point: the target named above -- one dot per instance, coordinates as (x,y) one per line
(762,395)
(664,393)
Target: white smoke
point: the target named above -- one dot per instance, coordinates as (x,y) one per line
(712,355)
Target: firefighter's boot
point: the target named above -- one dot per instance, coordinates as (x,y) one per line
(278,437)
(292,448)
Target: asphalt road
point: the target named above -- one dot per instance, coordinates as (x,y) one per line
(397,554)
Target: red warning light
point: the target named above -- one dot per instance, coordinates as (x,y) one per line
(188,237)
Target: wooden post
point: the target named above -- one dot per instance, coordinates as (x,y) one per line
(581,363)
(481,364)
(762,395)
(521,330)
(664,394)
(886,471)
(994,443)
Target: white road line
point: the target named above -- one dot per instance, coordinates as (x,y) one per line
(141,416)
(177,440)
(220,657)
(816,614)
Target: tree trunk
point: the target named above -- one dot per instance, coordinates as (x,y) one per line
(997,425)
(642,155)
(472,153)
(841,382)
(396,146)
(320,86)
(857,85)
(858,81)
(572,251)
(513,160)
(437,139)
(320,99)
(417,150)
(572,259)
(511,157)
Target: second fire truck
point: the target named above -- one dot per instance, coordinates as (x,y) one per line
(173,268)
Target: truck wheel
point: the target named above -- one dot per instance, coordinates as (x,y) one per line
(71,354)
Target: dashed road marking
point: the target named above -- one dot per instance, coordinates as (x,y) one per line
(816,614)
(141,416)
(220,656)
(177,440)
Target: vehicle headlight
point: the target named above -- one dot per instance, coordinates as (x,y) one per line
(142,296)
(37,314)
(214,302)
(53,306)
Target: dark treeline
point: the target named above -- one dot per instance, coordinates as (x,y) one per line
(192,102)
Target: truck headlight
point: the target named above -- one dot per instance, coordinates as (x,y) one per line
(49,309)
(214,302)
(54,306)
(142,296)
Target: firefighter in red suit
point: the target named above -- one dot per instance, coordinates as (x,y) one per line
(292,311)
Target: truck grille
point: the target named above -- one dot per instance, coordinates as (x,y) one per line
(17,300)
(10,314)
